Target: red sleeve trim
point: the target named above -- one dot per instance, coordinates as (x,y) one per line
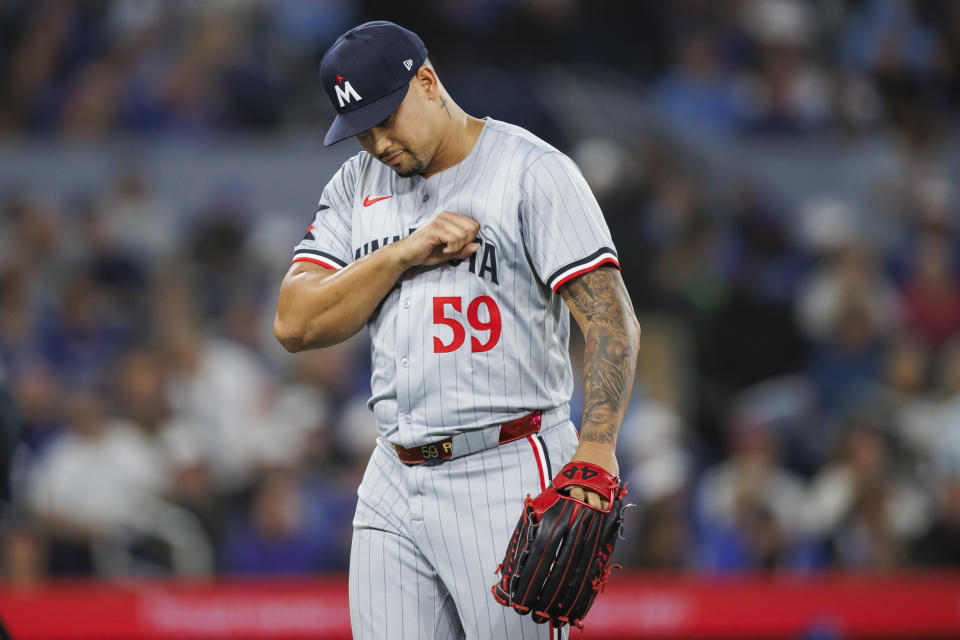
(318,261)
(573,275)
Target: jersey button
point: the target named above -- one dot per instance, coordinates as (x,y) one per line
(426,197)
(406,303)
(408,418)
(404,362)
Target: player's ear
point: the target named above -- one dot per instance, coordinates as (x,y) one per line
(426,79)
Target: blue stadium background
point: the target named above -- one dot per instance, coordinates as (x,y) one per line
(780,178)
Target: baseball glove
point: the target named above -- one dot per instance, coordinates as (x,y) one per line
(558,559)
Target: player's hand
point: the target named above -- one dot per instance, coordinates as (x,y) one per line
(602,455)
(448,236)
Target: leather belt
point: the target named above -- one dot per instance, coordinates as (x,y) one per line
(437,452)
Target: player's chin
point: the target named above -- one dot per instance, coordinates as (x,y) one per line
(408,170)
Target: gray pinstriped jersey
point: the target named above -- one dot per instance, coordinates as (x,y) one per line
(466,345)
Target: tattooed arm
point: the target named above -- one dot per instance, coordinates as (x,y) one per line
(601,306)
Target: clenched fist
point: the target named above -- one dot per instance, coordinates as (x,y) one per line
(448,236)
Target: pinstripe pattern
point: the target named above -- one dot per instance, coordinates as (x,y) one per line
(427,539)
(541,223)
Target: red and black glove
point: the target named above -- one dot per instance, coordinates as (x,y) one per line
(558,559)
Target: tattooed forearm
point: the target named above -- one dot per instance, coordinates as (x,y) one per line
(443,105)
(600,304)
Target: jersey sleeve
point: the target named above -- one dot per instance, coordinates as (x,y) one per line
(327,240)
(563,227)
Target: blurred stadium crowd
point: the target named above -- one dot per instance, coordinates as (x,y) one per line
(798,400)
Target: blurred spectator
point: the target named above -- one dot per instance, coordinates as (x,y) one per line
(790,408)
(34,229)
(755,541)
(849,272)
(91,101)
(218,391)
(851,355)
(888,40)
(98,474)
(866,541)
(651,447)
(699,91)
(135,220)
(748,505)
(84,336)
(910,411)
(906,368)
(39,395)
(22,557)
(863,486)
(332,428)
(932,292)
(787,94)
(10,428)
(283,534)
(18,343)
(140,391)
(222,270)
(756,336)
(662,538)
(939,428)
(101,484)
(939,546)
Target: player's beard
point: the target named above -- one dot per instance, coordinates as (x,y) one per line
(415,167)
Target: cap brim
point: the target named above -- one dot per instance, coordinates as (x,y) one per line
(346,125)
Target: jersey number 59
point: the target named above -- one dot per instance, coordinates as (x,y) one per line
(473,317)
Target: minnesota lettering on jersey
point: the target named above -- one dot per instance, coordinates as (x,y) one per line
(487,253)
(540,226)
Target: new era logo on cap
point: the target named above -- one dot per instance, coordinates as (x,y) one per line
(361,83)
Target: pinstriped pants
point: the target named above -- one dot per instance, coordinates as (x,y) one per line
(427,540)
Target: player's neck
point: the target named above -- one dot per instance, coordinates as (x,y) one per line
(460,134)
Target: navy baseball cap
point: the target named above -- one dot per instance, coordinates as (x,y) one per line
(366,74)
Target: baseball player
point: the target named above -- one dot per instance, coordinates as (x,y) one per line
(463,244)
